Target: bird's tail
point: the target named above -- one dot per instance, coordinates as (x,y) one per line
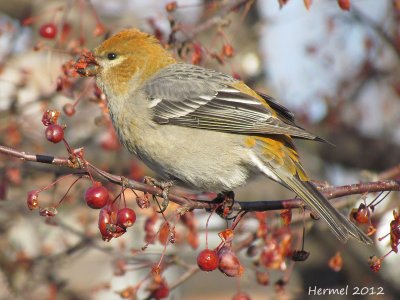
(316,201)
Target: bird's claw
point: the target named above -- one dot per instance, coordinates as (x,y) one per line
(164,186)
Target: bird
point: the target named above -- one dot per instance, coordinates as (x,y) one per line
(201,128)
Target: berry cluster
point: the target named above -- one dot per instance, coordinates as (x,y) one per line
(223,257)
(54,132)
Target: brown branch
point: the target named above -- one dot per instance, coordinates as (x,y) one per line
(392,173)
(361,188)
(217,18)
(66,162)
(47,159)
(185,276)
(363,19)
(329,192)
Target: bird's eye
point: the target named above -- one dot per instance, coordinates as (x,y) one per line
(111,56)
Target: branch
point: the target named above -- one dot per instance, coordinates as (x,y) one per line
(217,18)
(66,162)
(363,19)
(329,192)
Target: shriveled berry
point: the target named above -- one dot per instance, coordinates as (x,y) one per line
(271,255)
(48,31)
(96,196)
(126,217)
(48,211)
(32,200)
(208,260)
(229,263)
(54,133)
(50,117)
(164,232)
(104,220)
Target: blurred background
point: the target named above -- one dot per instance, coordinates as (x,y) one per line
(336,69)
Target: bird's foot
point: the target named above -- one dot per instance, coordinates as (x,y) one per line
(164,186)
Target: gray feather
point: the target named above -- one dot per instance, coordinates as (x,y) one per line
(191,96)
(316,201)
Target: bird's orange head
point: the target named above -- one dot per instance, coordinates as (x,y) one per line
(127,59)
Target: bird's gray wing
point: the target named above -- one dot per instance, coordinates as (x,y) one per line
(192,96)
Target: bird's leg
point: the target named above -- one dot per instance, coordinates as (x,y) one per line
(164,186)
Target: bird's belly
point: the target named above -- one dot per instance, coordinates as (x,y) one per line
(211,163)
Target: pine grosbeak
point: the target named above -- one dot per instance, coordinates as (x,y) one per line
(202,128)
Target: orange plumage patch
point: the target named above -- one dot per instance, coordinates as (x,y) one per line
(240,86)
(138,57)
(279,153)
(249,141)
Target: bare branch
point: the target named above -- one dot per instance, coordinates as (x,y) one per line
(217,18)
(329,192)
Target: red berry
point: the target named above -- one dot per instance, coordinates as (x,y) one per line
(54,133)
(241,296)
(96,196)
(162,291)
(69,109)
(207,260)
(48,31)
(32,200)
(126,217)
(104,220)
(99,30)
(171,6)
(228,50)
(229,263)
(262,278)
(344,4)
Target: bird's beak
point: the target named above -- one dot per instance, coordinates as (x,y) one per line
(86,65)
(90,70)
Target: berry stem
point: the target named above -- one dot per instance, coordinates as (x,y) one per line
(383,237)
(66,193)
(154,237)
(239,289)
(123,188)
(69,150)
(81,28)
(376,198)
(30,20)
(237,219)
(87,164)
(169,235)
(85,91)
(94,13)
(208,219)
(53,183)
